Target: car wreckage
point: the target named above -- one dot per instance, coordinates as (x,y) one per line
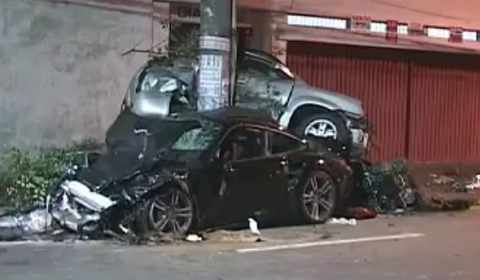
(284,149)
(197,171)
(162,88)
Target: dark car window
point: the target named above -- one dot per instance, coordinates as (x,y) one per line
(261,69)
(243,143)
(255,69)
(281,143)
(197,138)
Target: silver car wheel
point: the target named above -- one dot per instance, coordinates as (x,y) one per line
(171,212)
(319,197)
(322,128)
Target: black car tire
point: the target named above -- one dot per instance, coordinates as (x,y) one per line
(146,217)
(343,135)
(308,195)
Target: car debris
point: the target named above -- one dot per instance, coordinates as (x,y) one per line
(385,188)
(360,213)
(193,238)
(443,187)
(342,221)
(27,224)
(475,184)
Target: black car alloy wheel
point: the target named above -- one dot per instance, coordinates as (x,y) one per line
(318,197)
(171,212)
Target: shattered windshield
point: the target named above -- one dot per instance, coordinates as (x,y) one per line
(154,78)
(162,78)
(196,137)
(186,135)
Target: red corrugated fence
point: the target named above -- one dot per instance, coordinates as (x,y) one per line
(422,106)
(445,108)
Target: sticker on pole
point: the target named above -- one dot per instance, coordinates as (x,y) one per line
(214,43)
(212,91)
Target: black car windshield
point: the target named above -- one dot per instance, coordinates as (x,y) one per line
(188,139)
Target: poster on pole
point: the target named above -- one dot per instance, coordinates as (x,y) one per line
(214,89)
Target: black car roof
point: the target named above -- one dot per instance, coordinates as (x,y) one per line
(234,115)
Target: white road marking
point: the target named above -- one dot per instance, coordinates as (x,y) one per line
(331,242)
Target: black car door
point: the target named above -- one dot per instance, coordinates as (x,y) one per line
(247,187)
(282,148)
(247,172)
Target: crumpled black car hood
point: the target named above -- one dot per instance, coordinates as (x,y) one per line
(124,147)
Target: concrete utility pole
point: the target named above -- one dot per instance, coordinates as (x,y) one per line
(214,85)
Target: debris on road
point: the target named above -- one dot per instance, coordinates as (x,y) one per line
(474,185)
(342,221)
(396,187)
(384,188)
(193,238)
(360,213)
(28,224)
(446,186)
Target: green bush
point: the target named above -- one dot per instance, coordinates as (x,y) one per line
(26,174)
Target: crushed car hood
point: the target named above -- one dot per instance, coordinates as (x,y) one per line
(124,147)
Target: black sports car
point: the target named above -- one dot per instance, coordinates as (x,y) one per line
(212,169)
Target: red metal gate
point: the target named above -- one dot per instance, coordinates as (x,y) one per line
(378,77)
(423,106)
(444,108)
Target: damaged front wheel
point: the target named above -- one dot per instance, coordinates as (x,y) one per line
(171,212)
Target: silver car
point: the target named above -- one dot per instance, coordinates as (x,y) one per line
(263,82)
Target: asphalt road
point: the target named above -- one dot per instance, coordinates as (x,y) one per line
(447,246)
